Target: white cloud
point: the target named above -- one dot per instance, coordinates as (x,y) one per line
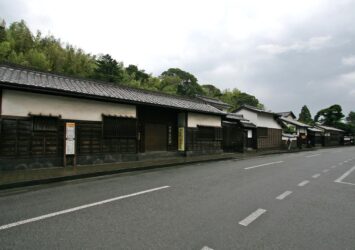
(314,43)
(349,61)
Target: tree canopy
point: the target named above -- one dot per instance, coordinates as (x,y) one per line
(330,116)
(305,116)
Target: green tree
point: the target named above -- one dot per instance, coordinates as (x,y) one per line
(108,69)
(211,90)
(236,98)
(20,37)
(305,116)
(351,118)
(187,85)
(330,116)
(37,59)
(2,30)
(137,74)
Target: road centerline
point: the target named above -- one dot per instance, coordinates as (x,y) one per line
(283,195)
(303,183)
(309,156)
(265,164)
(74,209)
(253,216)
(315,176)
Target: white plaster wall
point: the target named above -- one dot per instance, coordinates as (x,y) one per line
(247,114)
(195,119)
(260,119)
(18,103)
(267,121)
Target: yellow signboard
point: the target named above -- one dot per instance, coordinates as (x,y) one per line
(181,139)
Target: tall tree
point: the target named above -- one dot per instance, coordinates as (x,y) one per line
(211,90)
(237,98)
(351,118)
(188,85)
(2,30)
(108,69)
(330,116)
(305,116)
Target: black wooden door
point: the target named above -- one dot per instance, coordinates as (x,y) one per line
(155,137)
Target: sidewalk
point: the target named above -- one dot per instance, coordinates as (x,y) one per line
(20,178)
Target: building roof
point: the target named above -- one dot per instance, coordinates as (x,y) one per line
(294,122)
(329,128)
(286,113)
(36,81)
(213,101)
(314,129)
(251,108)
(244,122)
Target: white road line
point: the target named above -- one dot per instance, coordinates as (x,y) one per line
(315,176)
(252,217)
(265,164)
(206,248)
(308,156)
(333,166)
(325,170)
(303,183)
(341,178)
(70,210)
(283,195)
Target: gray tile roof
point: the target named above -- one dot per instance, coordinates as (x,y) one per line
(329,128)
(294,122)
(244,122)
(36,81)
(213,101)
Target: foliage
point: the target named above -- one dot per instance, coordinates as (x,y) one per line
(305,116)
(108,69)
(187,83)
(211,91)
(289,129)
(236,98)
(351,118)
(330,116)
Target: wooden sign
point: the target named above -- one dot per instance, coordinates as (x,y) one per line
(70,138)
(181,139)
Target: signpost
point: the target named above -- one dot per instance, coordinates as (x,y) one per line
(181,139)
(69,143)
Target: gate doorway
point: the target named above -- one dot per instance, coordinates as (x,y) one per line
(155,137)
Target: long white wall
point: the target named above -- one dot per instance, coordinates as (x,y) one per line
(18,103)
(195,119)
(260,119)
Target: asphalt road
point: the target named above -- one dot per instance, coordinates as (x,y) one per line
(290,201)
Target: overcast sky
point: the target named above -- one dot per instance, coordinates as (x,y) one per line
(286,53)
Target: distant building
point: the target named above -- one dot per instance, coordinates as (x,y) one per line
(268,130)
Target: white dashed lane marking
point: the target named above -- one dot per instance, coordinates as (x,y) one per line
(283,195)
(265,164)
(252,217)
(303,183)
(74,209)
(309,156)
(325,170)
(206,248)
(315,176)
(333,166)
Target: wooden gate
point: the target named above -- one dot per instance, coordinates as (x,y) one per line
(155,137)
